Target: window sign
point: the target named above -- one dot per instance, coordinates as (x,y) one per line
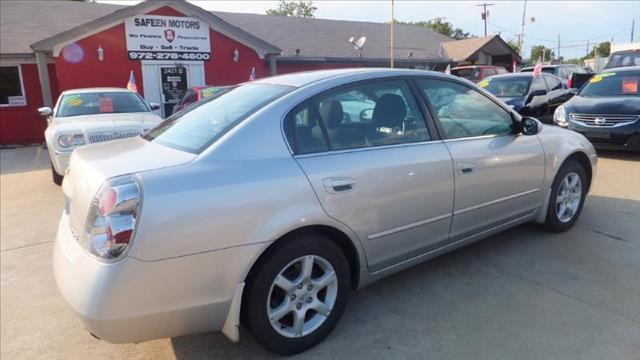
(11,88)
(153,37)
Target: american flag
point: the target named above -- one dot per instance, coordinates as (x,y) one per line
(131,85)
(252,75)
(537,70)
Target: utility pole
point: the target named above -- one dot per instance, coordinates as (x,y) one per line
(587,54)
(524,12)
(633,25)
(391,42)
(485,15)
(558,54)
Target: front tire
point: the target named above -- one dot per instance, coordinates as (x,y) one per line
(57,178)
(296,294)
(568,194)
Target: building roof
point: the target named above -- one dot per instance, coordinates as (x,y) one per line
(45,22)
(461,50)
(323,38)
(26,22)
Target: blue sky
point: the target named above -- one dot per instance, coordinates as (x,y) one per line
(575,21)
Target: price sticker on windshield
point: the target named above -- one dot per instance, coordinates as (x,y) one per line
(484,83)
(630,85)
(73,100)
(599,77)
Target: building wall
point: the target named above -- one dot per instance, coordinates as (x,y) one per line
(23,124)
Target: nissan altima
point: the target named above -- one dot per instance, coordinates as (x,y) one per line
(265,205)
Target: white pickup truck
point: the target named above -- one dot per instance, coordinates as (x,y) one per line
(85,116)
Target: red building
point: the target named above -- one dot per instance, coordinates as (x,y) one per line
(50,46)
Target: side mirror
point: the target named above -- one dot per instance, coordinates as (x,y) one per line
(154,106)
(45,111)
(535,93)
(530,126)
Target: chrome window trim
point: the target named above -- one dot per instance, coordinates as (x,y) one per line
(367,148)
(496,201)
(489,136)
(408,226)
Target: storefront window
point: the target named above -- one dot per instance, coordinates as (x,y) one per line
(11,88)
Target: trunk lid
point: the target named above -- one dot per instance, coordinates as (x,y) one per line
(90,166)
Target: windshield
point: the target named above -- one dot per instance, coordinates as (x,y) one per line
(100,103)
(506,87)
(468,73)
(198,127)
(612,84)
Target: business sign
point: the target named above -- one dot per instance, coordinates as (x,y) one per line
(153,37)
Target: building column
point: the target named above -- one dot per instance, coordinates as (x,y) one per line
(43,74)
(272,64)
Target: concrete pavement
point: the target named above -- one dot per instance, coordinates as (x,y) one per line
(523,294)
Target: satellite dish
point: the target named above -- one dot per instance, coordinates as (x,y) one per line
(358,44)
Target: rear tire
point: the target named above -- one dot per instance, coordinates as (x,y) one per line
(568,194)
(57,178)
(312,305)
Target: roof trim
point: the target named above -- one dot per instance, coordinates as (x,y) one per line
(57,42)
(300,59)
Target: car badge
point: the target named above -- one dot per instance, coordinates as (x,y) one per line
(600,120)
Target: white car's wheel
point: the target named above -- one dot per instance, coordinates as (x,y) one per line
(296,294)
(57,178)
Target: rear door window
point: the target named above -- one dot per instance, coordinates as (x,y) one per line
(366,115)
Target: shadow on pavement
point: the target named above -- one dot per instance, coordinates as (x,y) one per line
(24,159)
(619,155)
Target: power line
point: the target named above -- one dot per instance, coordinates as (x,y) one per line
(555,41)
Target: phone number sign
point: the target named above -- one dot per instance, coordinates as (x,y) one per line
(153,37)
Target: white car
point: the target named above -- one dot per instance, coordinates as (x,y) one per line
(92,115)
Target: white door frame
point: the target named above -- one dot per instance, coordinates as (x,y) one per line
(151,77)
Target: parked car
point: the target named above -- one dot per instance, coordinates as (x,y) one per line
(563,71)
(250,204)
(92,115)
(623,58)
(606,110)
(476,73)
(198,93)
(529,95)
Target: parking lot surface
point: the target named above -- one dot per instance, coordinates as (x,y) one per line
(523,294)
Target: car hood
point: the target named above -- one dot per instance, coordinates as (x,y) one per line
(90,166)
(516,103)
(627,105)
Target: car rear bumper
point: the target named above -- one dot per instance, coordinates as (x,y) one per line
(133,300)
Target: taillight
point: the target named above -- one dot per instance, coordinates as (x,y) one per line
(112,218)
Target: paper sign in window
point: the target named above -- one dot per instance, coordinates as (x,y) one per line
(106,104)
(630,85)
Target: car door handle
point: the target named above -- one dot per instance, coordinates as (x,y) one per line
(465,167)
(338,185)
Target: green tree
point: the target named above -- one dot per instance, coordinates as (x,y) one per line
(603,49)
(299,8)
(514,45)
(442,27)
(537,53)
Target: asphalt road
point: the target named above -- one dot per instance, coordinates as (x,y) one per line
(523,294)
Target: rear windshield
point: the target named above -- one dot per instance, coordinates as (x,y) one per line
(548,70)
(469,73)
(620,60)
(196,128)
(100,103)
(610,83)
(507,87)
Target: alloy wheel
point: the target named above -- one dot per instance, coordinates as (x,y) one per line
(302,296)
(569,197)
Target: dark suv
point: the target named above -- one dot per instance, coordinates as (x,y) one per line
(563,71)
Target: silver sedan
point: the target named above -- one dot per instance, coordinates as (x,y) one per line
(265,205)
